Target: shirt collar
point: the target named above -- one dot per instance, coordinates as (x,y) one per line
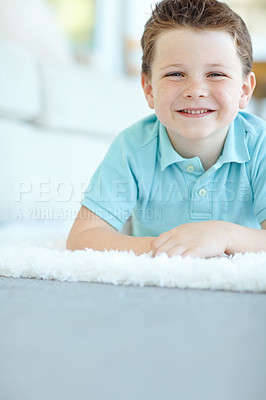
(234,150)
(167,152)
(235,146)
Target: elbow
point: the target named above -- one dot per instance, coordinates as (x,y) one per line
(73,243)
(70,244)
(78,242)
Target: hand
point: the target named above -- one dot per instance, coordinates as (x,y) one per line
(197,239)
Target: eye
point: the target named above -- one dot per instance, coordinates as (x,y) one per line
(175,74)
(216,75)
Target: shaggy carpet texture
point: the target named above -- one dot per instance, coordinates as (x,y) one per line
(51,260)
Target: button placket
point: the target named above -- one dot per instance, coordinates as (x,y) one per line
(201,204)
(202,192)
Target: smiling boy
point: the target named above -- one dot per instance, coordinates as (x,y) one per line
(192,176)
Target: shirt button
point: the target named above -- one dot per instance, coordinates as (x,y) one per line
(190,168)
(202,192)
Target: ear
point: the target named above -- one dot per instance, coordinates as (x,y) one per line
(147,88)
(249,83)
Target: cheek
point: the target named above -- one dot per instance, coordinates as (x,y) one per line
(165,95)
(228,97)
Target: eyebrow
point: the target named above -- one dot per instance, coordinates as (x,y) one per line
(172,65)
(178,65)
(217,65)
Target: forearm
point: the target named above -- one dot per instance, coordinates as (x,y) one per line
(102,239)
(243,240)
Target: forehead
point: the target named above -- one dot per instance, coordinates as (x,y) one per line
(187,45)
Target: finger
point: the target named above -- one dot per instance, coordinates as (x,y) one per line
(197,253)
(191,253)
(165,247)
(160,240)
(170,248)
(176,251)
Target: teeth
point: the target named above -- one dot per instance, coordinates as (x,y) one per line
(195,111)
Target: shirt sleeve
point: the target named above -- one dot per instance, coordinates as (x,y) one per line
(112,191)
(259,177)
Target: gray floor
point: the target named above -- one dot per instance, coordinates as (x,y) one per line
(62,340)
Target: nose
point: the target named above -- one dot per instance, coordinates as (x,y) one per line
(195,88)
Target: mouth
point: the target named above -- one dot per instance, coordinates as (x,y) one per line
(195,112)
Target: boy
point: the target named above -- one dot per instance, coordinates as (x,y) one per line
(192,176)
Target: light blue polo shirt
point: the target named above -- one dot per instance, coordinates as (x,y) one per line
(142,176)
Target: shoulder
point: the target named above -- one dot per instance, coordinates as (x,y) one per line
(134,146)
(254,129)
(141,134)
(253,125)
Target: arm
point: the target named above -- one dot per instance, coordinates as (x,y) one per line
(210,239)
(91,231)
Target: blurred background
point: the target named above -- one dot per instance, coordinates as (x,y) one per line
(69,83)
(104,34)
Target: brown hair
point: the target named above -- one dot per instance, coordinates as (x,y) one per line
(196,14)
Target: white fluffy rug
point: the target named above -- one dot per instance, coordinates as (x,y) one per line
(51,261)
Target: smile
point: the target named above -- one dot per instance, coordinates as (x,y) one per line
(195,112)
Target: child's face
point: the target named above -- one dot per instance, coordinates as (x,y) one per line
(196,85)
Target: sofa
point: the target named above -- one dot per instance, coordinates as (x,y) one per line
(56,124)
